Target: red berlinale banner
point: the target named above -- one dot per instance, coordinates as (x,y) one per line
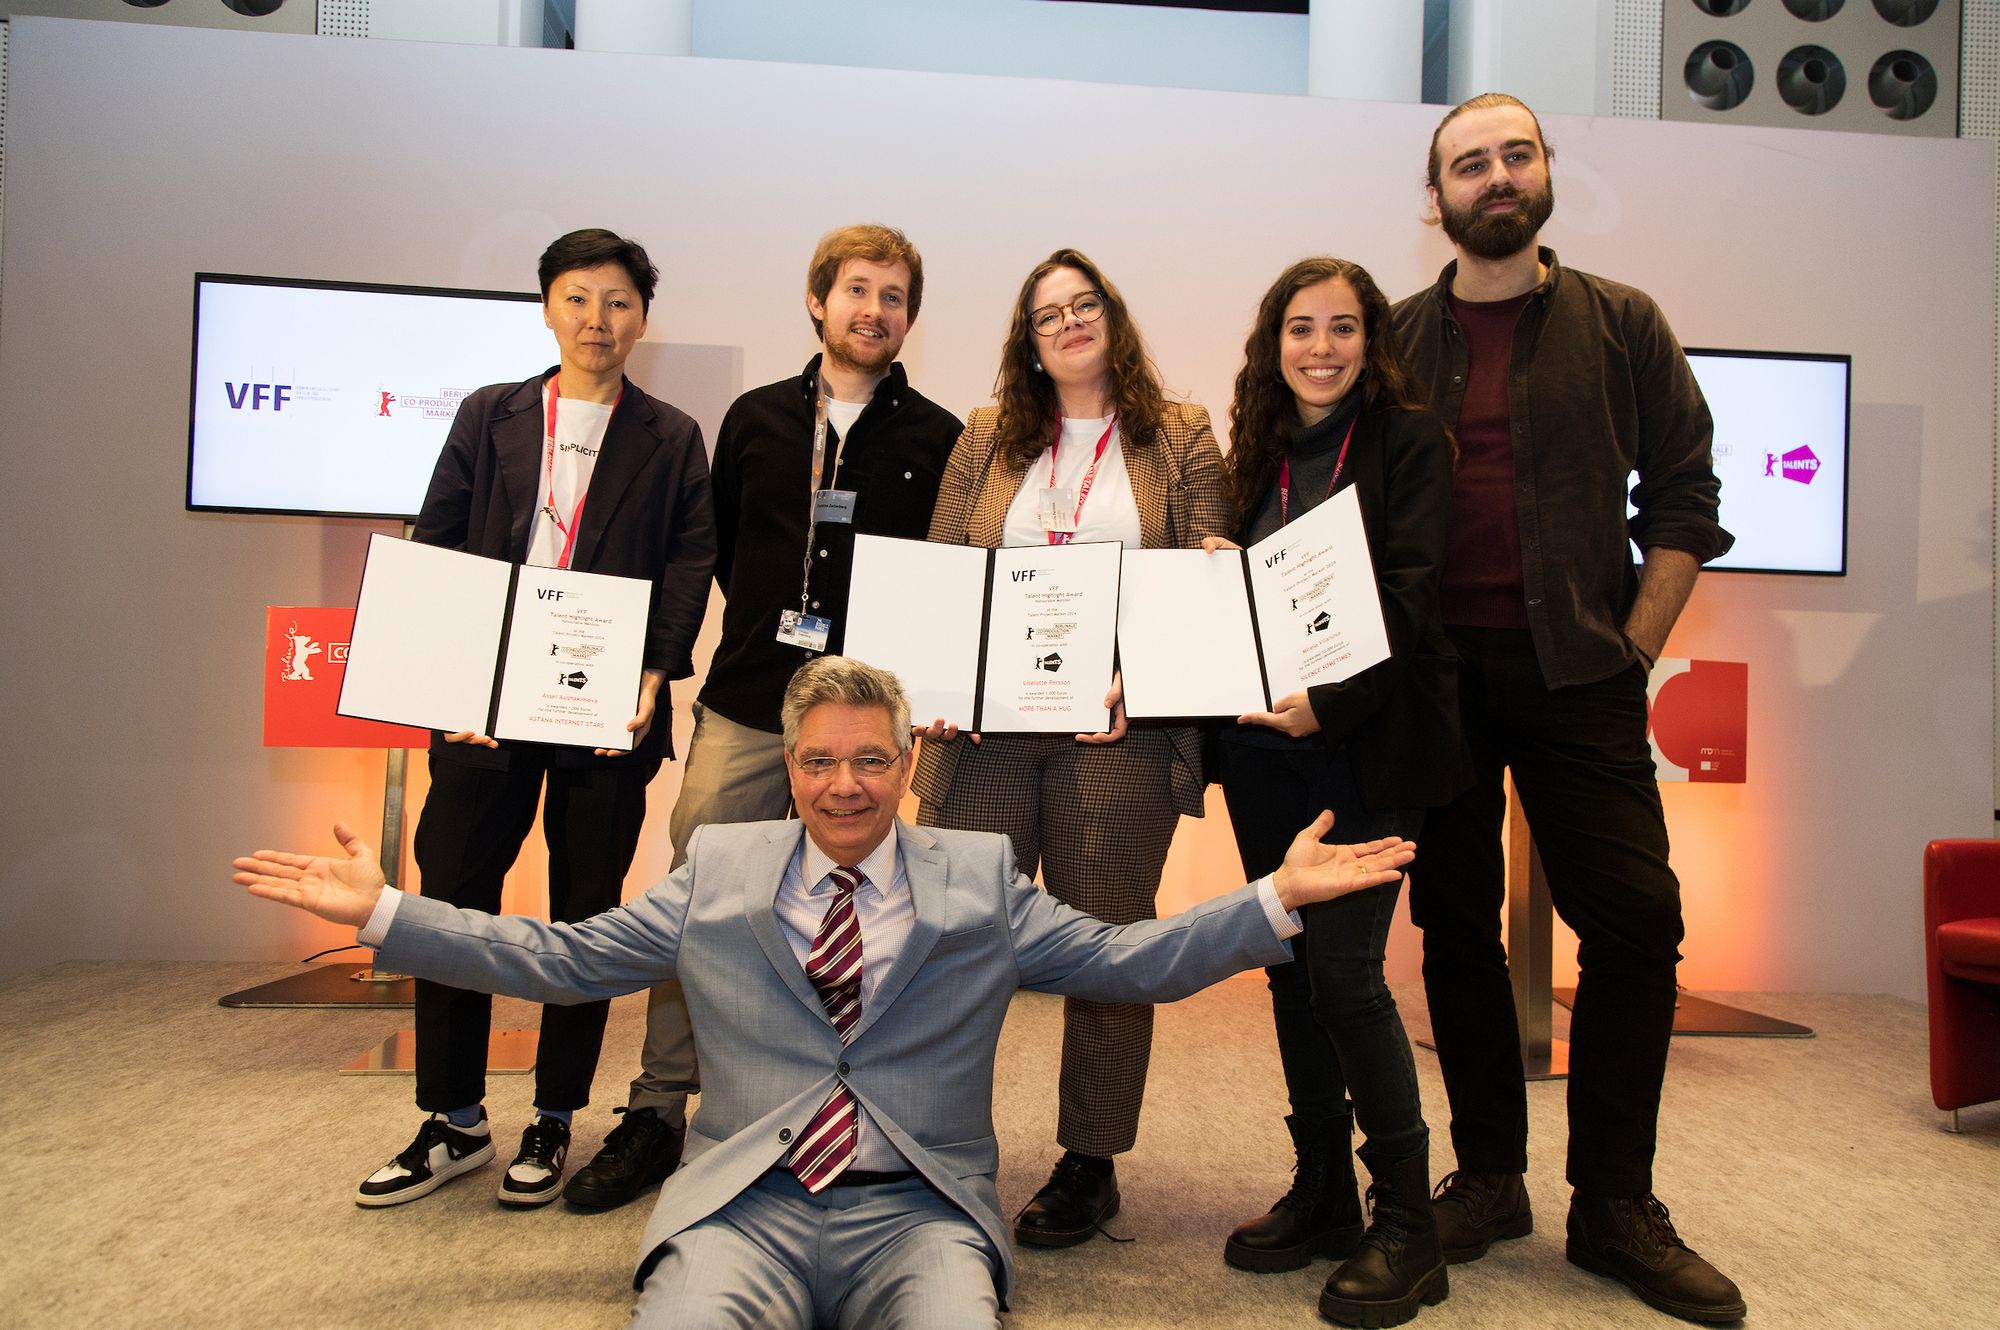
(305,658)
(1700,720)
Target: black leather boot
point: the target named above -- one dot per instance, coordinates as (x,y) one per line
(1630,1238)
(1319,1216)
(1399,1267)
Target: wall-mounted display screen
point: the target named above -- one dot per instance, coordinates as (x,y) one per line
(334,398)
(1781,423)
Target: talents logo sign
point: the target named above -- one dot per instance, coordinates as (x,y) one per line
(1800,464)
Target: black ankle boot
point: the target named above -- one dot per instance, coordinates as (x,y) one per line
(1319,1216)
(1399,1267)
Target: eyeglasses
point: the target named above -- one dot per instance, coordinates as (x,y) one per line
(1048,320)
(865,766)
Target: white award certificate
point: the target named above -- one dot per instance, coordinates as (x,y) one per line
(1051,636)
(1319,616)
(575,650)
(452,641)
(914,609)
(1187,645)
(1228,633)
(1013,640)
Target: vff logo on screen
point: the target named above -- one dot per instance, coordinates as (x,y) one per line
(256,396)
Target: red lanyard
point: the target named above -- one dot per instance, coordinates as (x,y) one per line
(1089,477)
(1285,474)
(575,517)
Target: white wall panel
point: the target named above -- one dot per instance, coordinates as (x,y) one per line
(139,155)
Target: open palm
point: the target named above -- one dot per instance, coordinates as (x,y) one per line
(1315,871)
(343,889)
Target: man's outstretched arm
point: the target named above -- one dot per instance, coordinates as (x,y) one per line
(619,951)
(1061,950)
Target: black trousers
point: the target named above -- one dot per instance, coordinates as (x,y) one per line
(1584,772)
(472,827)
(1340,1035)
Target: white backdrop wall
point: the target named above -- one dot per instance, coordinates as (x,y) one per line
(130,631)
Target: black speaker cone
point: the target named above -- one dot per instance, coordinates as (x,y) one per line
(1903,85)
(1811,80)
(1719,75)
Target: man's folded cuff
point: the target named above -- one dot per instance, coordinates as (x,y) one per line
(1285,923)
(377,927)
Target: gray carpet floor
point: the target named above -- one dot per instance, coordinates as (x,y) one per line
(173,1163)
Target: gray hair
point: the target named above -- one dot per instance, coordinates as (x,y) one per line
(844,681)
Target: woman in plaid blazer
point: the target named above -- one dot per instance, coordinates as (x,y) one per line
(1082,445)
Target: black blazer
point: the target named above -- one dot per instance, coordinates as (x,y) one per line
(1399,718)
(646,514)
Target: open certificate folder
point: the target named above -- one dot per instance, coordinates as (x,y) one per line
(1228,633)
(1005,641)
(452,641)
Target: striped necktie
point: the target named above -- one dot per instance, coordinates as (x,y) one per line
(834,966)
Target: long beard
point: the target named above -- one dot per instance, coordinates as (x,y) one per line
(1501,235)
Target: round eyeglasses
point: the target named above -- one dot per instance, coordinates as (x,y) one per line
(1048,320)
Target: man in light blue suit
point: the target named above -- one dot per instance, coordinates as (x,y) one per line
(840,1169)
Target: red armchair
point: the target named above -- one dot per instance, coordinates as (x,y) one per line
(1962,961)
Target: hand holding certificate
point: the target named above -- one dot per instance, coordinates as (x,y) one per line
(461,643)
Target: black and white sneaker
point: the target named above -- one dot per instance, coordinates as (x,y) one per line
(535,1176)
(440,1153)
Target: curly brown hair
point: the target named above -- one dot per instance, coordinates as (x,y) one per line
(1027,396)
(1263,414)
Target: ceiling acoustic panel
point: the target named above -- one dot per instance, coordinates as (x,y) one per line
(1880,66)
(297,16)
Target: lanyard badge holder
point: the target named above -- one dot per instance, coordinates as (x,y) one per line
(799,627)
(1057,514)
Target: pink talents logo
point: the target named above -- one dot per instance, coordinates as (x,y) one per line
(1800,464)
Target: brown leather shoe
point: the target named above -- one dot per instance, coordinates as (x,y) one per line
(1630,1239)
(1069,1207)
(1474,1210)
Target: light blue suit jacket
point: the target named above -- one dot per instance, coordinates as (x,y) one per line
(921,1059)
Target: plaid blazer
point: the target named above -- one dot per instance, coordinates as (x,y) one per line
(1178,485)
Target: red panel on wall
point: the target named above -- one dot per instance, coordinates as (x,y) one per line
(1700,719)
(305,658)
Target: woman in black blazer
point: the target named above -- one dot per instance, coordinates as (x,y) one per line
(1322,404)
(574,468)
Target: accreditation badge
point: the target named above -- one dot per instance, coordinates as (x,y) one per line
(835,506)
(1057,509)
(804,630)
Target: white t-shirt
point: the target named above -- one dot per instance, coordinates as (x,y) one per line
(579,438)
(840,416)
(1109,511)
